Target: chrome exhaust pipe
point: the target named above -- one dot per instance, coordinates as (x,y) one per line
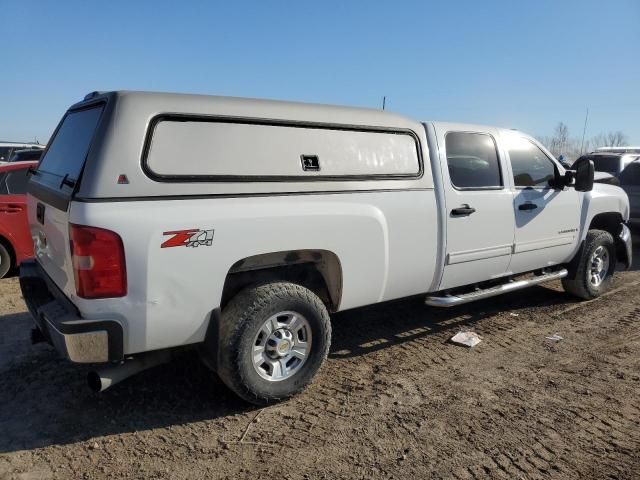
(104,378)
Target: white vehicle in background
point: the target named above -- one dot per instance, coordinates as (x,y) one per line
(7,149)
(619,149)
(235,226)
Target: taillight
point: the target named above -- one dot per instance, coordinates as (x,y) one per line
(98,262)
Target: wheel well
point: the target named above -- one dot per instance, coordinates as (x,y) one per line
(317,270)
(7,244)
(609,222)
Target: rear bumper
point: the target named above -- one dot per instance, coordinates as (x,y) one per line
(78,339)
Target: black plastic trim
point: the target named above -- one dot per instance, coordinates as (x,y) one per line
(241,195)
(55,198)
(181,117)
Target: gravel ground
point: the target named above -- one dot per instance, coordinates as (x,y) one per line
(395,400)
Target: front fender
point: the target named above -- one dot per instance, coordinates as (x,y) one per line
(603,199)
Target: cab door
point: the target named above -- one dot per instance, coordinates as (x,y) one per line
(547,219)
(479,212)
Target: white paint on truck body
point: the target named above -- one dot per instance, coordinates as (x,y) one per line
(383,206)
(385,253)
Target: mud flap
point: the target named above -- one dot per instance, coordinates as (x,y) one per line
(624,246)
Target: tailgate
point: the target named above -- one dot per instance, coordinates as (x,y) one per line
(51,188)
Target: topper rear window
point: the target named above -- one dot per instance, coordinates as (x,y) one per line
(68,149)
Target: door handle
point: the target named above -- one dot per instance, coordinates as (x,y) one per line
(10,208)
(528,206)
(463,211)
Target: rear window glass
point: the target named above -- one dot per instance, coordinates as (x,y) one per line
(69,147)
(603,163)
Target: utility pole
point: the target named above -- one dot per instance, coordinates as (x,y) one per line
(584,130)
(384,101)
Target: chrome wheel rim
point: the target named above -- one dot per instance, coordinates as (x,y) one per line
(281,346)
(599,266)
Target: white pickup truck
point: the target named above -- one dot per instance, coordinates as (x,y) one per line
(236,226)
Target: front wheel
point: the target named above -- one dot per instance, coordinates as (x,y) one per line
(591,272)
(273,338)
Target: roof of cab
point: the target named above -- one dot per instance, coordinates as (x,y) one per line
(146,103)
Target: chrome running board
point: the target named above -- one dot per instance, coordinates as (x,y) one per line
(453,300)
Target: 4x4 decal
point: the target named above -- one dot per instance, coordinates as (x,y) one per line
(188,238)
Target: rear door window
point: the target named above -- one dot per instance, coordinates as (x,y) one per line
(473,161)
(69,148)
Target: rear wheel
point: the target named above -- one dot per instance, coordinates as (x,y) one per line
(6,261)
(591,272)
(273,338)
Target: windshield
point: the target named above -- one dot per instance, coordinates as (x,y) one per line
(68,150)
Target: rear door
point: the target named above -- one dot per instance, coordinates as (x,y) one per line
(479,215)
(50,190)
(547,218)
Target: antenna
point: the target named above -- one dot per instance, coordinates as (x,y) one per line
(384,101)
(586,117)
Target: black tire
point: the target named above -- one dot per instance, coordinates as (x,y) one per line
(6,262)
(240,322)
(578,281)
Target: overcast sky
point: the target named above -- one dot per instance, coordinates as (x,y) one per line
(519,64)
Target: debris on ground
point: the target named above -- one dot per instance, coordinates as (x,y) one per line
(468,339)
(554,338)
(514,314)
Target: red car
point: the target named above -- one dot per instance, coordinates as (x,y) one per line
(15,238)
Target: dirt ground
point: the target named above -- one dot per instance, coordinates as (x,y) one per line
(395,400)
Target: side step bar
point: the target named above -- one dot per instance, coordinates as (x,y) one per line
(453,300)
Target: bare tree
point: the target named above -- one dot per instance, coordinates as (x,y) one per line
(616,139)
(560,143)
(599,140)
(560,139)
(611,139)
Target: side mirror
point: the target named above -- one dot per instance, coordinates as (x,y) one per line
(584,175)
(569,177)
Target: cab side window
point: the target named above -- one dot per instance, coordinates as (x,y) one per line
(531,167)
(473,161)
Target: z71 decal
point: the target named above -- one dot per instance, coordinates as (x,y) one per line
(188,238)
